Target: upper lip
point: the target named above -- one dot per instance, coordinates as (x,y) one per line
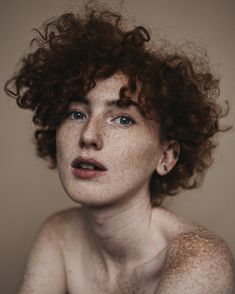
(87,160)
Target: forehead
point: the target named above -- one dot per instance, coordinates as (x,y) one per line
(114,92)
(108,88)
(110,92)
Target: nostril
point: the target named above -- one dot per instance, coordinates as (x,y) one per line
(82,144)
(91,135)
(94,142)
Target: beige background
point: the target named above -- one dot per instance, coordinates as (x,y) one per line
(30,192)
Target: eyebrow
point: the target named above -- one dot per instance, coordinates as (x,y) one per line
(123,103)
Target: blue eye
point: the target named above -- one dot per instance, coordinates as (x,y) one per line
(124,120)
(76,115)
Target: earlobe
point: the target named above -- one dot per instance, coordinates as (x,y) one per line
(169,158)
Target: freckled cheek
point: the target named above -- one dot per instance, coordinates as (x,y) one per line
(139,153)
(145,157)
(65,142)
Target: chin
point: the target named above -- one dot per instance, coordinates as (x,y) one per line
(91,199)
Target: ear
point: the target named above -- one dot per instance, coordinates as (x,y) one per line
(169,157)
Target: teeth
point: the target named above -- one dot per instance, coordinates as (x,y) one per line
(86,165)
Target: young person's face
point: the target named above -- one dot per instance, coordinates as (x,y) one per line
(120,138)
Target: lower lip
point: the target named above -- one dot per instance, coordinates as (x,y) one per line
(87,174)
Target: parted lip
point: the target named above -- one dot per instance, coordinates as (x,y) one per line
(87,160)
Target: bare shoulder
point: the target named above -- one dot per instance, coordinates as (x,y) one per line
(69,226)
(64,217)
(46,261)
(197,261)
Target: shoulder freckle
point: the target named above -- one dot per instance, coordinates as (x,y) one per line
(201,255)
(198,245)
(197,263)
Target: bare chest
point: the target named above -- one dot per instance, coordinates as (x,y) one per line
(86,275)
(97,282)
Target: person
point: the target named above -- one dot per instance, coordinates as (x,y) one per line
(126,124)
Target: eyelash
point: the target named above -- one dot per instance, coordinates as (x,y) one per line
(131,121)
(72,115)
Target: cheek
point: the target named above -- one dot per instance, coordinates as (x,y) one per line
(60,145)
(64,143)
(142,152)
(144,156)
(64,147)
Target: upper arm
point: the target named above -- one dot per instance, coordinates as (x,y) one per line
(198,265)
(44,271)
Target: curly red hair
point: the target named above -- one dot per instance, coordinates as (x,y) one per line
(73,51)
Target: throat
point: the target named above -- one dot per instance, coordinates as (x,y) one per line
(122,235)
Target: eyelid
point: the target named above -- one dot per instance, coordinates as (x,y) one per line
(72,112)
(133,121)
(125,114)
(77,106)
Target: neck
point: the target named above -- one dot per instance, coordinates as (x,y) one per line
(124,231)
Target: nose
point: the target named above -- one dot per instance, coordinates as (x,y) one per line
(91,136)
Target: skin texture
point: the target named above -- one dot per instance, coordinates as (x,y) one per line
(115,145)
(198,263)
(115,242)
(64,260)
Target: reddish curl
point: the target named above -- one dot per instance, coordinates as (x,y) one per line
(73,51)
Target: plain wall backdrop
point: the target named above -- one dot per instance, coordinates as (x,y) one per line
(30,191)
